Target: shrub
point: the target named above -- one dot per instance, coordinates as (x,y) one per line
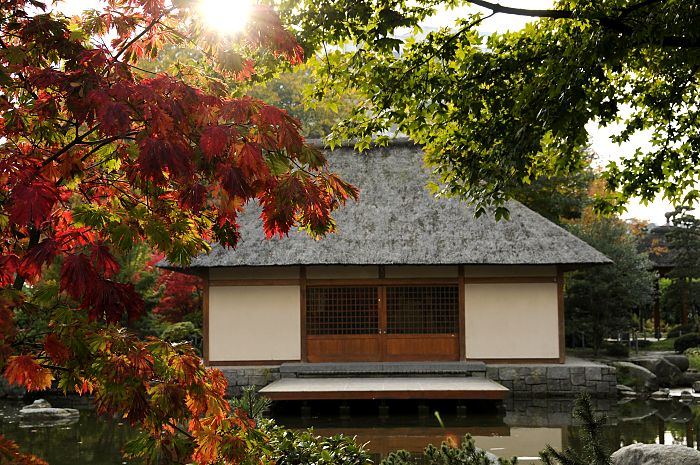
(448,453)
(617,350)
(253,404)
(290,447)
(644,343)
(686,341)
(681,330)
(184,331)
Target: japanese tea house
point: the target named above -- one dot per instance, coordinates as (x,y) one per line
(406,277)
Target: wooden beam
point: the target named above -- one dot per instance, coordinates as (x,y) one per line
(561,316)
(381,282)
(242,363)
(511,280)
(255,282)
(461,299)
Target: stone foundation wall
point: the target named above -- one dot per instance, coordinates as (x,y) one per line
(240,377)
(555,380)
(523,380)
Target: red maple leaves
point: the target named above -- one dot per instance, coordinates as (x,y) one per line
(97,156)
(25,371)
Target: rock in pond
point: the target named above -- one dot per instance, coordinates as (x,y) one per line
(625,391)
(663,393)
(667,373)
(681,361)
(41,413)
(656,454)
(642,378)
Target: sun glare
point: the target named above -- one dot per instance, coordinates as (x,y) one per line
(227,17)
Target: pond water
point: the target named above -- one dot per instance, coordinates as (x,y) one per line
(518,428)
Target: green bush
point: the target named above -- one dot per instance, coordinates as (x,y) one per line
(183,331)
(289,447)
(617,350)
(447,454)
(682,329)
(686,341)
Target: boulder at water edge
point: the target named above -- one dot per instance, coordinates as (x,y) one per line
(656,454)
(667,374)
(643,379)
(40,413)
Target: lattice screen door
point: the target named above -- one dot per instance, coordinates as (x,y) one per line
(375,323)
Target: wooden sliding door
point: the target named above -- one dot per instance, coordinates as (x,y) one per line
(421,323)
(382,323)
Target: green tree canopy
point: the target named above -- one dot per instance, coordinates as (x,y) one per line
(495,113)
(600,301)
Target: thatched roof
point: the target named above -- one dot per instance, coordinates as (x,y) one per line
(398,221)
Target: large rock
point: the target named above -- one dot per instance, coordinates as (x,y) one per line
(689,378)
(646,362)
(656,454)
(667,374)
(642,379)
(681,361)
(40,413)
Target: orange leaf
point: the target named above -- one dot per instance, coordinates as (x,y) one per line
(26,371)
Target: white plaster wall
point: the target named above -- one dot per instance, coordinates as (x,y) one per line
(251,272)
(483,271)
(511,321)
(254,323)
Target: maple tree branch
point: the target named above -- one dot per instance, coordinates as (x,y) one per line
(498,8)
(174,426)
(638,6)
(139,36)
(78,139)
(613,23)
(54,367)
(23,78)
(34,236)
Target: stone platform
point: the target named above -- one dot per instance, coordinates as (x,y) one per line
(537,380)
(360,388)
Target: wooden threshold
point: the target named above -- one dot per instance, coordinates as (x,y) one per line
(467,388)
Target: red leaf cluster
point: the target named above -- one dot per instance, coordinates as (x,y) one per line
(97,157)
(26,371)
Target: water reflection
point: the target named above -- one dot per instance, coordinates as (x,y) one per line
(520,427)
(90,441)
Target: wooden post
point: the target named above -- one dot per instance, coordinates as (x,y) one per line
(657,310)
(461,303)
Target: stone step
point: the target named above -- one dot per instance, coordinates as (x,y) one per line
(385,369)
(336,388)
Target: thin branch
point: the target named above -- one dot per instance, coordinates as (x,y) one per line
(613,23)
(54,367)
(70,145)
(638,6)
(174,426)
(496,8)
(138,36)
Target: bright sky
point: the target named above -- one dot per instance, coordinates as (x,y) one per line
(600,141)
